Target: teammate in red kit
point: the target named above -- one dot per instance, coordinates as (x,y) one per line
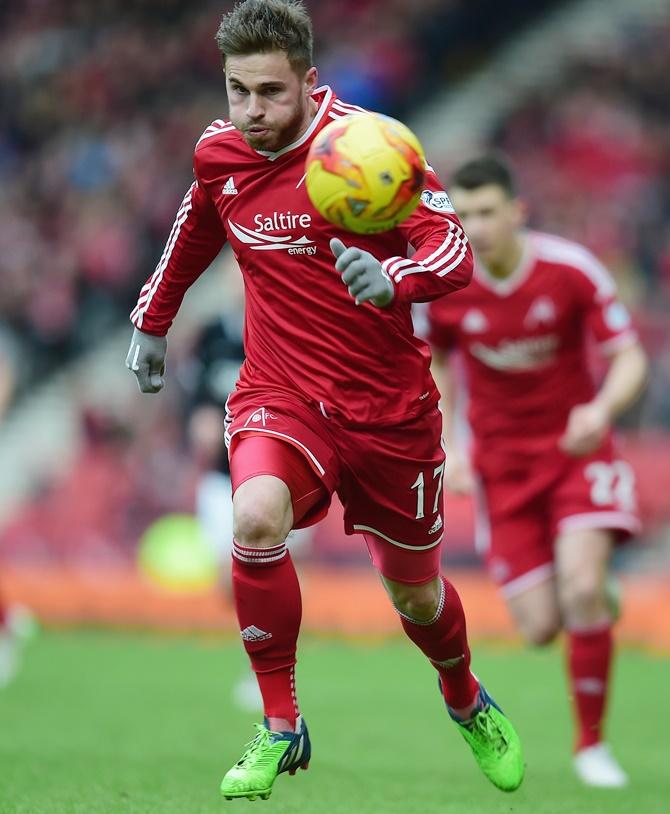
(331,396)
(552,493)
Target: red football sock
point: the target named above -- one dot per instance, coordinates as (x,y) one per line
(444,639)
(269,611)
(3,614)
(589,659)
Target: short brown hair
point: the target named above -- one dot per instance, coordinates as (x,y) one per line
(488,169)
(262,26)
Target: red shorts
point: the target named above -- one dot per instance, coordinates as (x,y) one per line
(519,514)
(389,479)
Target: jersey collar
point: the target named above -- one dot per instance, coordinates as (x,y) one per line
(320,113)
(504,287)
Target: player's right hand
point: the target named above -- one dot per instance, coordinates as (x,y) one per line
(146,359)
(458,477)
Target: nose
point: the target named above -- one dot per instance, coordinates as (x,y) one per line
(473,227)
(255,109)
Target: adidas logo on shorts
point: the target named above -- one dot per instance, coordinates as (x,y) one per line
(254,634)
(437,525)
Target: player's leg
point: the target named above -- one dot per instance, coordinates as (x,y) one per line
(9,646)
(266,589)
(395,500)
(582,560)
(514,537)
(536,611)
(274,488)
(432,616)
(592,506)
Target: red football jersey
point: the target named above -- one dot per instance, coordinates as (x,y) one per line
(525,343)
(304,334)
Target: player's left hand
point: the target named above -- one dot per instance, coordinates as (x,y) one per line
(362,274)
(588,424)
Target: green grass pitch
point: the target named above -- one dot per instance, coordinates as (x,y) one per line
(107,723)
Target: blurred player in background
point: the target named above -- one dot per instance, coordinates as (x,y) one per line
(335,392)
(8,647)
(209,378)
(17,627)
(8,643)
(553,494)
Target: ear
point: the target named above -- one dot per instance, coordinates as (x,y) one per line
(311,80)
(520,213)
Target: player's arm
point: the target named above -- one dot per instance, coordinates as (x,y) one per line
(443,259)
(196,238)
(457,473)
(608,322)
(441,263)
(588,424)
(443,339)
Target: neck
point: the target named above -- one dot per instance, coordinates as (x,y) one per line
(312,107)
(508,261)
(310,113)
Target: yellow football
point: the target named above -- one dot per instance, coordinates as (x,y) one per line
(365,172)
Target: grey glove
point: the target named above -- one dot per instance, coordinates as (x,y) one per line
(146,358)
(363,274)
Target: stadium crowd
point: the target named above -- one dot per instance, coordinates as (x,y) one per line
(98,107)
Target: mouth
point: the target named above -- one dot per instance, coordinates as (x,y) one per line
(257,131)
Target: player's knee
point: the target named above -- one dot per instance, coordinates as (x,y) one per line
(582,598)
(260,521)
(254,528)
(537,613)
(418,602)
(540,631)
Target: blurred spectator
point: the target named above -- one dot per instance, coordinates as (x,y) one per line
(8,370)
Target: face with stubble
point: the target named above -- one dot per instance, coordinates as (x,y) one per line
(270,103)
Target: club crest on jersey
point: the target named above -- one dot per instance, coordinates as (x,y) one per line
(616,316)
(474,322)
(258,239)
(541,312)
(437,201)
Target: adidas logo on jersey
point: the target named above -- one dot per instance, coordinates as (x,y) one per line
(229,187)
(254,634)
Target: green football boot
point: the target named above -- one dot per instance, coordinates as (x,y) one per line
(268,755)
(494,742)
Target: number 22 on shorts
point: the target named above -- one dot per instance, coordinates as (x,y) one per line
(611,484)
